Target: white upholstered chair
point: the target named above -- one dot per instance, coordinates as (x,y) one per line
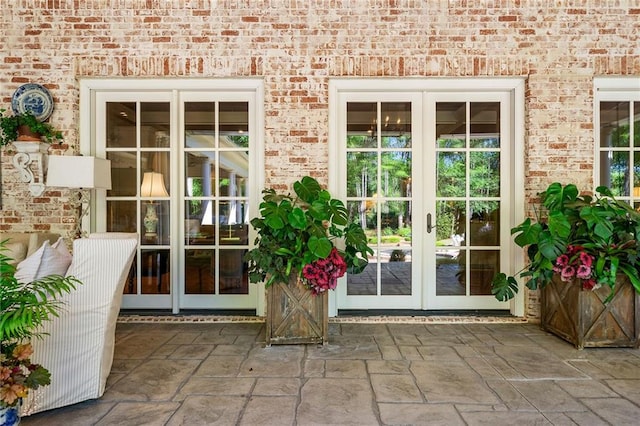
(78,350)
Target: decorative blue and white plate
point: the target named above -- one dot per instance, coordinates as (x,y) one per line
(32,97)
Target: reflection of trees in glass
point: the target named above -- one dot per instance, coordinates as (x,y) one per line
(484,174)
(361,174)
(451,174)
(239,140)
(484,181)
(396,171)
(619,171)
(195,206)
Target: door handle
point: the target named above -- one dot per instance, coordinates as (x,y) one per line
(429,226)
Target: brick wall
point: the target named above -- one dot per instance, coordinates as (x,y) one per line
(296,45)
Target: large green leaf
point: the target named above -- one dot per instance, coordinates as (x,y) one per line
(319,247)
(503,287)
(307,189)
(555,196)
(297,218)
(275,215)
(528,233)
(559,225)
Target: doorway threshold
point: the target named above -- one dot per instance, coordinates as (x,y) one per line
(404,316)
(344,316)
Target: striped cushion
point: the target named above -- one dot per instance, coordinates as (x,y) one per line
(79,348)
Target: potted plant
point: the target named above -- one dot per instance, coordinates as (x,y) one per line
(25,126)
(584,256)
(23,308)
(297,257)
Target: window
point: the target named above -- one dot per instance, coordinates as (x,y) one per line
(617,118)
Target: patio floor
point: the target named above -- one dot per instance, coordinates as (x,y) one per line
(386,372)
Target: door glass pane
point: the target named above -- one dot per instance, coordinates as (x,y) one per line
(484,174)
(364,213)
(234,170)
(450,235)
(123,173)
(121,216)
(614,171)
(155,274)
(484,264)
(234,124)
(362,175)
(396,125)
(451,173)
(154,124)
(199,124)
(451,125)
(395,248)
(233,272)
(121,125)
(199,277)
(396,173)
(614,124)
(362,124)
(485,125)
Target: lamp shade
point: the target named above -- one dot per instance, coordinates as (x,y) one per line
(77,171)
(636,192)
(153,185)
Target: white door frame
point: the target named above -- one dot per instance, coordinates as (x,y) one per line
(515,88)
(87,133)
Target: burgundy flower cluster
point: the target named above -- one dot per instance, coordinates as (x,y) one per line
(576,263)
(323,274)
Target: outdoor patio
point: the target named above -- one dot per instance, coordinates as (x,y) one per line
(174,372)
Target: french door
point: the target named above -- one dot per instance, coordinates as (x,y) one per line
(428,176)
(183,171)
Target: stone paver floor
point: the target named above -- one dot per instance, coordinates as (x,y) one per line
(369,374)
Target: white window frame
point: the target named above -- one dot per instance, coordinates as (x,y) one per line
(611,89)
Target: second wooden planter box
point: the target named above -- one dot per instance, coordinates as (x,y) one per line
(582,318)
(295,316)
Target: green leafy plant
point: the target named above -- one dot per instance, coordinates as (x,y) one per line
(9,125)
(586,238)
(299,230)
(24,307)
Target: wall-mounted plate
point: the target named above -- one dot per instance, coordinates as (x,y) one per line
(32,97)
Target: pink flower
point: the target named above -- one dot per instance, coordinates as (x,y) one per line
(562,260)
(567,274)
(323,274)
(583,272)
(589,284)
(586,259)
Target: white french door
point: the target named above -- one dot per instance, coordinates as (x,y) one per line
(429,177)
(183,165)
(466,189)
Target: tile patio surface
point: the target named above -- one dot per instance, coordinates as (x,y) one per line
(390,373)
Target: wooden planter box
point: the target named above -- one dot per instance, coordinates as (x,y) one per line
(295,316)
(582,318)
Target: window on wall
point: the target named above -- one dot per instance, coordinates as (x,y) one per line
(618,137)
